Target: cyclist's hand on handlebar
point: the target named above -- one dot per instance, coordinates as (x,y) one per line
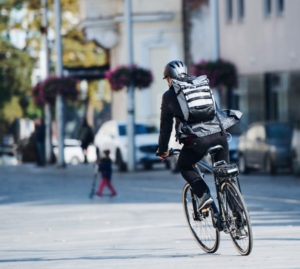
(162,155)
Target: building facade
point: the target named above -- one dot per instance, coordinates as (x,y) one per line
(157,39)
(261,38)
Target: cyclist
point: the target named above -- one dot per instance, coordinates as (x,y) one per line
(195,143)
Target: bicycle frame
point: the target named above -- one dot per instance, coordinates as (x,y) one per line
(220,208)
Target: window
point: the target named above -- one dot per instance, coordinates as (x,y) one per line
(241,9)
(268,7)
(280,7)
(229,10)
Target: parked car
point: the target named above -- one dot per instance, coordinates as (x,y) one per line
(265,146)
(112,135)
(233,140)
(73,152)
(295,147)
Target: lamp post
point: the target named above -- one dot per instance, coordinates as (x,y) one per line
(215,21)
(59,98)
(47,109)
(216,42)
(130,106)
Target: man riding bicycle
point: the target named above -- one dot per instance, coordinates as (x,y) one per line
(199,124)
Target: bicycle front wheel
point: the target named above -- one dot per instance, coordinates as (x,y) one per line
(201,223)
(237,218)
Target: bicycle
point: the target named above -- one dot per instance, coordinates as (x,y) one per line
(231,216)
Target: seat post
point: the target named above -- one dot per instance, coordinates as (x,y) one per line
(213,150)
(212,155)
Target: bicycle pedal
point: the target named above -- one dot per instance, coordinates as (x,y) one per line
(204,210)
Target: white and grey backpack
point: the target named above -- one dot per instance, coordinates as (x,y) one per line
(195,99)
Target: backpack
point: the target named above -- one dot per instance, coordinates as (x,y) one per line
(195,99)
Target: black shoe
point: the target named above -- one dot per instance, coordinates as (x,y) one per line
(241,233)
(205,201)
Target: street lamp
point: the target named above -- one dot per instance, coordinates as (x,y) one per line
(131,120)
(59,98)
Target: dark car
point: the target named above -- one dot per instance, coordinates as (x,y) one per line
(265,146)
(233,140)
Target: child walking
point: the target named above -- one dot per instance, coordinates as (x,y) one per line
(105,167)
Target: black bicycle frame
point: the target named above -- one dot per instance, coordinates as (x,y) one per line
(217,185)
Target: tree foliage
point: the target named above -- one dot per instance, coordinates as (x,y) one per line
(16,64)
(78,52)
(15,74)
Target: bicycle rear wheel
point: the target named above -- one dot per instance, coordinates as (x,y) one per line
(237,218)
(201,223)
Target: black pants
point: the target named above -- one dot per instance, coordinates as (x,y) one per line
(193,151)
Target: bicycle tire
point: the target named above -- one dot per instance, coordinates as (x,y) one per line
(203,229)
(236,209)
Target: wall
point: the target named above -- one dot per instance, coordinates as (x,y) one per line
(258,44)
(157,39)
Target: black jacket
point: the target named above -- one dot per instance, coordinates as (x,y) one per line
(170,109)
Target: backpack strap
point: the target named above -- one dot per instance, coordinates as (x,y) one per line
(217,116)
(220,124)
(181,100)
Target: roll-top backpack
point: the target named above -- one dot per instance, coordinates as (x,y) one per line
(195,99)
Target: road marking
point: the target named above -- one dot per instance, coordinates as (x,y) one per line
(283,200)
(156,189)
(141,227)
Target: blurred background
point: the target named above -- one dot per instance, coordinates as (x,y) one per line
(250,49)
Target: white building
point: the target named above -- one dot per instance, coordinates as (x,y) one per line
(261,37)
(157,39)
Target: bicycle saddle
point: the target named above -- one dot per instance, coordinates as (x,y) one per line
(214,149)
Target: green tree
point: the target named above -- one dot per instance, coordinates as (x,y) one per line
(15,73)
(16,64)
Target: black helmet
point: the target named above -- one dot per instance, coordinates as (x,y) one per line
(175,68)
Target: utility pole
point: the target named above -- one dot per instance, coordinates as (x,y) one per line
(214,7)
(59,99)
(47,108)
(131,120)
(215,21)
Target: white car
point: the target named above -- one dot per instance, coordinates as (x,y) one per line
(112,136)
(73,153)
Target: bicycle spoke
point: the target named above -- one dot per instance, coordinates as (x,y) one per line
(200,224)
(237,219)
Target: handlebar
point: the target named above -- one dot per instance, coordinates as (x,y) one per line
(173,151)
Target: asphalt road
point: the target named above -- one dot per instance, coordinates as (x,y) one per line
(48,221)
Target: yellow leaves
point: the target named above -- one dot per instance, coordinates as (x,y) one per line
(77,53)
(12,110)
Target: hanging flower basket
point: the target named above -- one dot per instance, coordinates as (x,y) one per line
(38,95)
(47,90)
(220,73)
(122,76)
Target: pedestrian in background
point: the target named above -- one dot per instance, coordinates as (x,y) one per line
(86,136)
(39,139)
(105,168)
